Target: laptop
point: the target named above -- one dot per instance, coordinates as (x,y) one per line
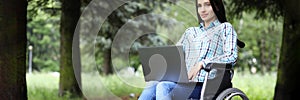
(163,63)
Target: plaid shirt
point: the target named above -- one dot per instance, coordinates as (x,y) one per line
(214,44)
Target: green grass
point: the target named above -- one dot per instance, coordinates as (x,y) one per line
(44,86)
(256,86)
(112,86)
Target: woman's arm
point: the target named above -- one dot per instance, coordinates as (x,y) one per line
(229,47)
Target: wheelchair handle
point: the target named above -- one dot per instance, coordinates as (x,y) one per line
(216,65)
(240,43)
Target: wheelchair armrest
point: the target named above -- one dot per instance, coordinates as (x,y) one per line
(217,65)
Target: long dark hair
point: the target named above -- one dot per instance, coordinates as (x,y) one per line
(218,8)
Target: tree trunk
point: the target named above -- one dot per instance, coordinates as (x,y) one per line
(69,18)
(13,49)
(107,65)
(262,47)
(287,86)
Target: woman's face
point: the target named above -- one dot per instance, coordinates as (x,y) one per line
(205,11)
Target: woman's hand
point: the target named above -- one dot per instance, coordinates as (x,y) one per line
(194,70)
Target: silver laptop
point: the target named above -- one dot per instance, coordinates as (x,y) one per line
(164,63)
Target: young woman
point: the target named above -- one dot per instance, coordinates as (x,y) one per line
(214,41)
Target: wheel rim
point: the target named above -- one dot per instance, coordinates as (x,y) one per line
(235,94)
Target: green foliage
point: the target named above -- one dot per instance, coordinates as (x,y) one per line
(262,8)
(183,12)
(183,15)
(43,35)
(253,31)
(35,7)
(167,20)
(126,14)
(172,22)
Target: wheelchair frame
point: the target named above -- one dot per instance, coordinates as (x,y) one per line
(226,94)
(211,85)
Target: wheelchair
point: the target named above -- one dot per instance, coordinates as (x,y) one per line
(210,91)
(223,75)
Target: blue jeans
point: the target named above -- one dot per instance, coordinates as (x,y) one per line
(162,90)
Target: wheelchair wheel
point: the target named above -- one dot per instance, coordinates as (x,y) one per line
(231,93)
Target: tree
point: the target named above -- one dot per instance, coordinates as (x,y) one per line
(42,34)
(115,21)
(13,50)
(287,86)
(70,13)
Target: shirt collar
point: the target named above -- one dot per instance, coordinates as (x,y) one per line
(212,24)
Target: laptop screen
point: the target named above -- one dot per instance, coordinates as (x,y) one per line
(164,63)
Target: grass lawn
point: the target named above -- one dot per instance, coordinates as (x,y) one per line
(256,86)
(44,86)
